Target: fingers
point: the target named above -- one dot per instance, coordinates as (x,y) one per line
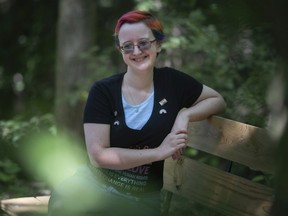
(177,154)
(180,144)
(181,140)
(175,157)
(173,144)
(181,132)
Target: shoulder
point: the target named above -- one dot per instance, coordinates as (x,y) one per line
(107,83)
(170,74)
(166,71)
(113,79)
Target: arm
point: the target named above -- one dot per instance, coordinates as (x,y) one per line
(102,155)
(209,103)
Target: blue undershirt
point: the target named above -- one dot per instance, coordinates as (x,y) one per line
(136,116)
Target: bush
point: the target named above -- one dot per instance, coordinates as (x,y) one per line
(14,180)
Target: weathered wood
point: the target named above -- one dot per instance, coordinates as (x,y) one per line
(226,193)
(235,141)
(166,202)
(26,205)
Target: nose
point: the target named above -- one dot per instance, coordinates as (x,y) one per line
(136,49)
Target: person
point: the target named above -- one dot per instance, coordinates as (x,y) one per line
(133,121)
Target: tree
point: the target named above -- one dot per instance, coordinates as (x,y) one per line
(27,41)
(75,36)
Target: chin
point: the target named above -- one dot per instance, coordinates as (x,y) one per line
(142,67)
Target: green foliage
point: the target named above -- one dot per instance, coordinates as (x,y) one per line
(224,45)
(253,175)
(27,65)
(14,130)
(102,62)
(235,57)
(227,51)
(13,176)
(8,171)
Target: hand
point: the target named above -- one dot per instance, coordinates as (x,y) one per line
(177,154)
(173,144)
(181,123)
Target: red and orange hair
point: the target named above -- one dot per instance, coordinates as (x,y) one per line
(136,16)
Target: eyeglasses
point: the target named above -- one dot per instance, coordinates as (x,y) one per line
(128,47)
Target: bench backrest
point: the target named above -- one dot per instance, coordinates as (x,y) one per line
(226,193)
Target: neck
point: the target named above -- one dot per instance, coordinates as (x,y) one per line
(136,87)
(140,81)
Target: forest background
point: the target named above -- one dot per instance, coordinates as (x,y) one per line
(52,51)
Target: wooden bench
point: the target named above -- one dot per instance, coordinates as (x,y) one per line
(224,192)
(29,206)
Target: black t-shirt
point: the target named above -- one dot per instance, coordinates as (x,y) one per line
(173,90)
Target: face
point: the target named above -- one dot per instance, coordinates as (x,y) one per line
(138,34)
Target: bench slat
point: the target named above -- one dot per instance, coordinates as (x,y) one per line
(224,192)
(235,141)
(32,205)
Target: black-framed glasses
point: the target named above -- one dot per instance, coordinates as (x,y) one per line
(128,47)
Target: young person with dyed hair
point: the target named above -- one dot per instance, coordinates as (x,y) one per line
(133,121)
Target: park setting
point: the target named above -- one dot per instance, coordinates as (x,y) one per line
(235,162)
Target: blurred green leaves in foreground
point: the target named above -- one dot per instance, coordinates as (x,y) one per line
(33,151)
(52,157)
(55,158)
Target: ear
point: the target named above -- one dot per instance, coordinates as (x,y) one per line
(118,48)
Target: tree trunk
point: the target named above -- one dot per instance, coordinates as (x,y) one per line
(280,205)
(75,36)
(278,16)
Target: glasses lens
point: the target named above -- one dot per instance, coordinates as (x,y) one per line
(144,45)
(128,48)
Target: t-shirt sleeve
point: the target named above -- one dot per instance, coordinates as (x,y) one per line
(187,88)
(98,105)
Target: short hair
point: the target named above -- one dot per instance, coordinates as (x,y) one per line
(136,16)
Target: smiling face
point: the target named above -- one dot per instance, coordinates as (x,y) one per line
(138,60)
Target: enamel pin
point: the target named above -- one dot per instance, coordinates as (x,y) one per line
(163,101)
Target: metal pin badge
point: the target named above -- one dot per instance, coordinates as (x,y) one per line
(162,111)
(163,101)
